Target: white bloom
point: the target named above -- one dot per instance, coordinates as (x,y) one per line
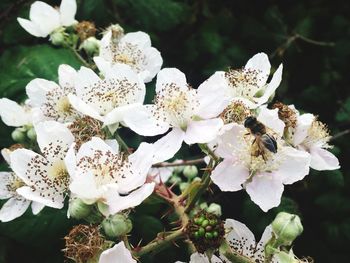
(249,84)
(201,258)
(242,240)
(161,174)
(181,108)
(243,167)
(312,136)
(108,99)
(101,174)
(133,49)
(44,19)
(50,100)
(118,253)
(13,114)
(45,176)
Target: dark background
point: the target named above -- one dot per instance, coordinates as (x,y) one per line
(311,38)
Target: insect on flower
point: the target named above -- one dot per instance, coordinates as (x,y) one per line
(262,140)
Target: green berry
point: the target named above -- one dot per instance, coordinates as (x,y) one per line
(208,235)
(205,223)
(201,231)
(215,234)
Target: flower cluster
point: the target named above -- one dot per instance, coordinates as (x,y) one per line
(70,148)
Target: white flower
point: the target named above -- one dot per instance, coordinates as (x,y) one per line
(181,108)
(118,253)
(133,49)
(101,174)
(44,19)
(242,240)
(263,177)
(45,176)
(13,114)
(161,174)
(108,99)
(201,258)
(249,84)
(50,100)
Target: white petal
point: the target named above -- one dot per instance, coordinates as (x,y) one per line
(37,90)
(270,119)
(13,208)
(295,165)
(83,185)
(259,254)
(13,114)
(51,197)
(85,80)
(161,174)
(68,8)
(240,237)
(66,75)
(89,148)
(113,144)
(168,76)
(71,161)
(265,190)
(45,16)
(167,146)
(117,253)
(212,96)
(229,176)
(203,131)
(154,62)
(102,64)
(52,134)
(5,179)
(322,159)
(123,114)
(37,207)
(143,122)
(31,28)
(139,38)
(201,258)
(84,108)
(118,203)
(6,154)
(304,122)
(260,62)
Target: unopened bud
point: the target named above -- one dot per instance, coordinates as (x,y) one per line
(203,206)
(31,134)
(78,209)
(214,209)
(19,135)
(184,186)
(286,228)
(116,225)
(175,179)
(58,37)
(91,46)
(190,171)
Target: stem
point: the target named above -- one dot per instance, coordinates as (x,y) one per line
(188,162)
(232,255)
(126,241)
(122,143)
(82,60)
(340,134)
(159,243)
(200,190)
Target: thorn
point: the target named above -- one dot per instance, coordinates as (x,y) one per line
(175,244)
(167,213)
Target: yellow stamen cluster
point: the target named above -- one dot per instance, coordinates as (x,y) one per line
(318,133)
(286,114)
(236,112)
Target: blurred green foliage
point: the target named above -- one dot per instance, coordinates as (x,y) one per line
(311,38)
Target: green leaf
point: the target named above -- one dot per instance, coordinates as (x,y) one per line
(147,227)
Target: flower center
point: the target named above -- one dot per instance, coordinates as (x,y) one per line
(58,173)
(318,134)
(64,106)
(14,183)
(124,59)
(244,82)
(236,112)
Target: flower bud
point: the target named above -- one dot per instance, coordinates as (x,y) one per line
(286,228)
(214,209)
(31,134)
(91,46)
(78,209)
(116,225)
(175,179)
(58,37)
(190,171)
(184,186)
(18,135)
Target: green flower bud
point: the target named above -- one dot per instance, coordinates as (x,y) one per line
(203,206)
(190,171)
(78,209)
(286,228)
(175,179)
(214,209)
(91,46)
(31,134)
(184,186)
(116,225)
(58,37)
(196,179)
(18,135)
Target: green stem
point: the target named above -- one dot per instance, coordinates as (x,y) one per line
(232,255)
(159,243)
(82,60)
(122,143)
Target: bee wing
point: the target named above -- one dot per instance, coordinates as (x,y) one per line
(269,142)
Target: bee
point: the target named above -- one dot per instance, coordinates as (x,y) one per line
(262,139)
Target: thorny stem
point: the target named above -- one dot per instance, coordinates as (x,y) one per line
(159,243)
(183,163)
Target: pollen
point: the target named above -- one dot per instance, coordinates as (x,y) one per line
(14,182)
(286,114)
(236,112)
(318,133)
(64,106)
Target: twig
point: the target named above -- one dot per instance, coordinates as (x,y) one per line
(184,162)
(340,134)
